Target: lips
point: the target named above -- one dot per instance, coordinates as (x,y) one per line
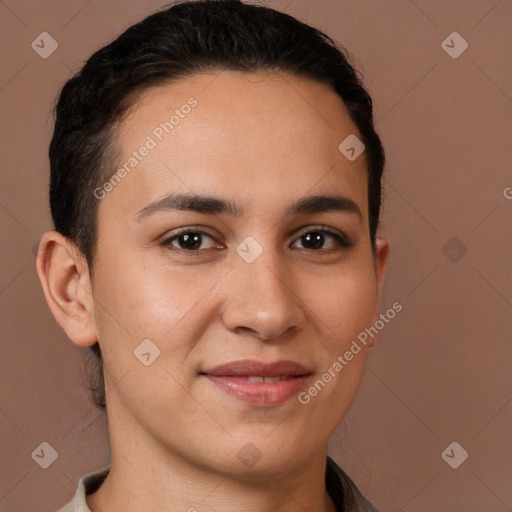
(258,383)
(250,367)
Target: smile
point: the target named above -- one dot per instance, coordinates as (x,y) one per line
(258,383)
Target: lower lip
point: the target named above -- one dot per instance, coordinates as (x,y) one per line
(259,393)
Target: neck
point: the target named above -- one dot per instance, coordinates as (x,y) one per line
(136,482)
(159,474)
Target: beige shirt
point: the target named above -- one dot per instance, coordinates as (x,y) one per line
(87,485)
(343,491)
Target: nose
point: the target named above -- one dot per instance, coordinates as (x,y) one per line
(261,300)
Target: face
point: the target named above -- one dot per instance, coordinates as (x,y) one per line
(262,275)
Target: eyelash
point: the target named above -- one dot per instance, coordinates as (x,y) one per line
(341,240)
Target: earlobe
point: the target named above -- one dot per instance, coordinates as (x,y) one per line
(64,277)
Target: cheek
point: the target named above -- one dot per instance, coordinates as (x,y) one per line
(137,301)
(346,302)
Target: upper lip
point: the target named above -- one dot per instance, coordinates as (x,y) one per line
(252,367)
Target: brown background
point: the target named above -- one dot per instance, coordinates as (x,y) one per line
(441,370)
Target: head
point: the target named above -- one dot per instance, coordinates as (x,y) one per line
(205,214)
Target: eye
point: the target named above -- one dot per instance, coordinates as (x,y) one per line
(189,241)
(193,241)
(315,238)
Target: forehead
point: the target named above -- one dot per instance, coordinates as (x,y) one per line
(255,135)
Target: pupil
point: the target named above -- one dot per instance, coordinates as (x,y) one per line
(314,239)
(190,241)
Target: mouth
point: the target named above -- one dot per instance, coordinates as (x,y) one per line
(258,383)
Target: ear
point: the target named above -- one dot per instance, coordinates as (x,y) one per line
(380,259)
(64,276)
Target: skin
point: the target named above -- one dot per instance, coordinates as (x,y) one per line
(262,140)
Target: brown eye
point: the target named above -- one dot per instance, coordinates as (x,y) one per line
(190,241)
(315,240)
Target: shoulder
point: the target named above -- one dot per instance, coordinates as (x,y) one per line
(344,491)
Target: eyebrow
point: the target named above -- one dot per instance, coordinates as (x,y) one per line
(214,205)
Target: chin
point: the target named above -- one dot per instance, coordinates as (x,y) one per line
(257,457)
